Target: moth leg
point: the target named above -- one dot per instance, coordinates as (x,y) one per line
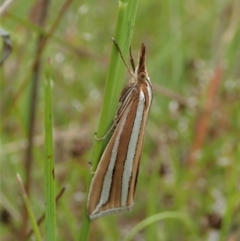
(106,134)
(90,166)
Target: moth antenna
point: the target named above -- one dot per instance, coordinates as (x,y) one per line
(120,52)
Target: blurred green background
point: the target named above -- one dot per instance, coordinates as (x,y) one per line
(191,156)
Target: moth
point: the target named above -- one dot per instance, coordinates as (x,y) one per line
(113,185)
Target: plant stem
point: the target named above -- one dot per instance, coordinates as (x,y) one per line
(114,82)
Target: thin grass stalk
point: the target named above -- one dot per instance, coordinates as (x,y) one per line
(49,178)
(42,217)
(32,112)
(29,210)
(123,34)
(159,217)
(233,198)
(114,82)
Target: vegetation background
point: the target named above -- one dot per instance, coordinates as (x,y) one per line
(191,157)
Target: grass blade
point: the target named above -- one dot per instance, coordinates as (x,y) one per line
(49,165)
(114,82)
(161,216)
(29,210)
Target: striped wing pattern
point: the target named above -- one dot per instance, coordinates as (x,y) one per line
(114,182)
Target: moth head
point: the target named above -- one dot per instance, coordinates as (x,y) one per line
(142,76)
(141,70)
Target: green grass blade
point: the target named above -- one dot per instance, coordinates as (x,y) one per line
(233,198)
(29,210)
(49,166)
(114,83)
(159,217)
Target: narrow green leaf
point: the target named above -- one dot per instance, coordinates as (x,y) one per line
(49,165)
(123,34)
(161,216)
(29,210)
